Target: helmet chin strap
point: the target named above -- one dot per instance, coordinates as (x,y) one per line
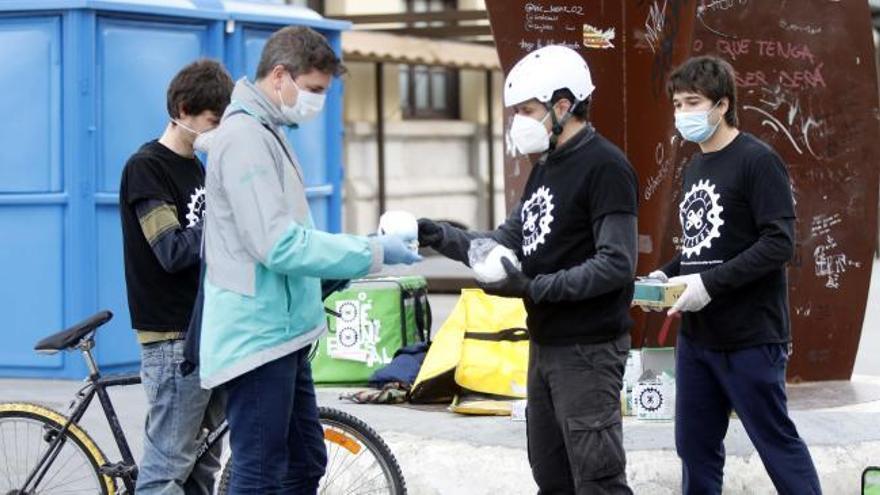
(558,124)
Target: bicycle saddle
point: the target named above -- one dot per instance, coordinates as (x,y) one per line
(67,339)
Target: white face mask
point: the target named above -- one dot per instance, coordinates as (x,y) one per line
(307,106)
(529,135)
(203,139)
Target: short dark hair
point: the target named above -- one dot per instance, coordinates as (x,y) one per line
(299,50)
(201,85)
(581,110)
(709,76)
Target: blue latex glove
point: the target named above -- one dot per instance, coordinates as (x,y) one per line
(397,252)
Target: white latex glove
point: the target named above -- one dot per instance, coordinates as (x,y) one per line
(694,298)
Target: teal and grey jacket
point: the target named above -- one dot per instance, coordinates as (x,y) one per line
(265,259)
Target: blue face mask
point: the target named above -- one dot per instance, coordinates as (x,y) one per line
(695,126)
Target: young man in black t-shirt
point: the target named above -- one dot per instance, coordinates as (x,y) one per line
(737,218)
(574,231)
(162,201)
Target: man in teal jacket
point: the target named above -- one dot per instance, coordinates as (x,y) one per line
(265,262)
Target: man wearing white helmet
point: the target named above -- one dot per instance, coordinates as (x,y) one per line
(575,232)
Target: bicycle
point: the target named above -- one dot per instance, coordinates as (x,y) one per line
(359,461)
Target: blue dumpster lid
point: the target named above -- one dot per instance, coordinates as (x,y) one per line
(206,9)
(256,11)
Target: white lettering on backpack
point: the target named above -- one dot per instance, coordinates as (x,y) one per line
(357,335)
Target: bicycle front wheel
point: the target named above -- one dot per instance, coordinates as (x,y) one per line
(28,467)
(358,460)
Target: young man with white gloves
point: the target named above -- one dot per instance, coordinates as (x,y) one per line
(575,232)
(737,219)
(265,262)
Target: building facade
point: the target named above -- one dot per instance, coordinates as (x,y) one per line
(435,130)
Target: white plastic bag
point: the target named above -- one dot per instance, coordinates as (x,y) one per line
(485,257)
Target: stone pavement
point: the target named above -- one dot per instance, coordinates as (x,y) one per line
(444,453)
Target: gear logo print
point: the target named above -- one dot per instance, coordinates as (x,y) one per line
(700,215)
(357,336)
(196,207)
(537,215)
(650,399)
(348,311)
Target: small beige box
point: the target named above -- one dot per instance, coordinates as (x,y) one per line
(656,294)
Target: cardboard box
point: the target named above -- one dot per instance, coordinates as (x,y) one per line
(650,396)
(658,360)
(654,397)
(656,294)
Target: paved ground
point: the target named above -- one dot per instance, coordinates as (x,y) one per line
(442,453)
(445,453)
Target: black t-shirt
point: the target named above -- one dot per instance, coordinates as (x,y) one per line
(584,180)
(158,300)
(729,195)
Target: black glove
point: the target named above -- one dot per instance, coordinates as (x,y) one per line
(430,233)
(516,284)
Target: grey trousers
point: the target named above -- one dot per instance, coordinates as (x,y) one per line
(575,436)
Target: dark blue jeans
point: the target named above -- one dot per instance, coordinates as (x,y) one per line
(709,384)
(276,438)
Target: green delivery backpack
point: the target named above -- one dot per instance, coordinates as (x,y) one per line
(370,321)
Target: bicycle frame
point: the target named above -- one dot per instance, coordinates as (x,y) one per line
(97,385)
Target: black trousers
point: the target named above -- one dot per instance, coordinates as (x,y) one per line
(575,435)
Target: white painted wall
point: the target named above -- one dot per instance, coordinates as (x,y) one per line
(435,169)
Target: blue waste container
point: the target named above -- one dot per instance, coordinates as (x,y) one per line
(82,86)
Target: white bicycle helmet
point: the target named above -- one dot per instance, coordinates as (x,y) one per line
(543,71)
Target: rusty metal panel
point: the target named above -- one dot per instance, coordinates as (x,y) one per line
(520,27)
(807,78)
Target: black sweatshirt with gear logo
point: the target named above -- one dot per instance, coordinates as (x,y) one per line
(737,219)
(579,184)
